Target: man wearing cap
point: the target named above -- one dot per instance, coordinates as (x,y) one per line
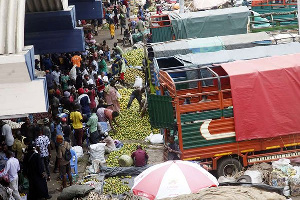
(46,128)
(84,101)
(65,101)
(43,146)
(64,165)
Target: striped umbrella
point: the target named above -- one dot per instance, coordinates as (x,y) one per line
(172,178)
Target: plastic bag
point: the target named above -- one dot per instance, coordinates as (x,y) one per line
(97,151)
(282,164)
(78,150)
(138,82)
(255,175)
(155,138)
(223,179)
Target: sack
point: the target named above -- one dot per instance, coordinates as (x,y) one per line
(155,138)
(138,82)
(255,175)
(78,150)
(68,155)
(97,151)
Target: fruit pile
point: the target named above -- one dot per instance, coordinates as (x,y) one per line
(131,125)
(127,149)
(134,57)
(131,73)
(114,185)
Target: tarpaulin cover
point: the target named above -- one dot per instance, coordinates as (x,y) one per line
(204,4)
(210,44)
(228,21)
(225,56)
(265,96)
(123,171)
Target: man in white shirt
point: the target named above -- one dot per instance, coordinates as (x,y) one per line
(56,75)
(94,63)
(7,132)
(103,77)
(11,169)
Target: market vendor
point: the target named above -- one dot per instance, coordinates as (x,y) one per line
(106,114)
(117,49)
(173,149)
(138,95)
(93,128)
(110,144)
(140,157)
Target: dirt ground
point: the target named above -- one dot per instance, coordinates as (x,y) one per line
(155,153)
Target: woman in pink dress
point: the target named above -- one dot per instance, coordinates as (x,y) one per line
(111,97)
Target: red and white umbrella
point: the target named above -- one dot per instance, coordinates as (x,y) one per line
(172,178)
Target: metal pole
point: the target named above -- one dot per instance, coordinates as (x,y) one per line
(181,6)
(298,8)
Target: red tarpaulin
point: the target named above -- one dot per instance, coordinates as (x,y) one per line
(266,96)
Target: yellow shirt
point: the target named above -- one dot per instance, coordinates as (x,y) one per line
(76,118)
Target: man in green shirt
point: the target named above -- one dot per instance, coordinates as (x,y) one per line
(64,80)
(93,127)
(117,50)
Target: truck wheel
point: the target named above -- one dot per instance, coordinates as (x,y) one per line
(228,167)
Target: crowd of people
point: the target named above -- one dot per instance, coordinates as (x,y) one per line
(84,104)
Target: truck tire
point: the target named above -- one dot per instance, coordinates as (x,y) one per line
(228,167)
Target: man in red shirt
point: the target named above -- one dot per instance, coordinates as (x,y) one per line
(140,157)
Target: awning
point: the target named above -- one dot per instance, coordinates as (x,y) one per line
(18,99)
(266,94)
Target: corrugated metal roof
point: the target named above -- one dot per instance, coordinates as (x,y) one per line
(239,54)
(210,44)
(206,13)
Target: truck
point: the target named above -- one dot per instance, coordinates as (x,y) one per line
(244,112)
(163,54)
